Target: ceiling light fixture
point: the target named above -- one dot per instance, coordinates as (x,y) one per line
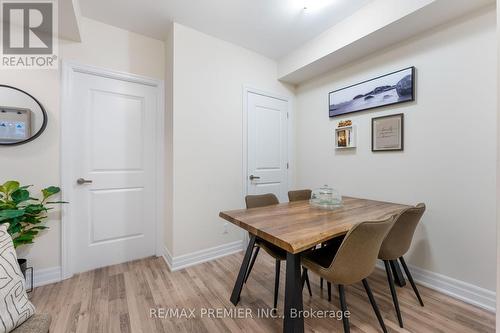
(316,4)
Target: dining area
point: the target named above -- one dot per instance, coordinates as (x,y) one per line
(338,240)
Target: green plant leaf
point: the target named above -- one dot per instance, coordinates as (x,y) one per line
(7,205)
(35,209)
(9,186)
(24,213)
(31,218)
(28,233)
(39,227)
(18,242)
(10,213)
(14,228)
(50,191)
(20,195)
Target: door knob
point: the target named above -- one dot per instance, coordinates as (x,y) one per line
(252,177)
(81,181)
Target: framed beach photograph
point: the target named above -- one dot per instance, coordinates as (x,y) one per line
(392,88)
(388,133)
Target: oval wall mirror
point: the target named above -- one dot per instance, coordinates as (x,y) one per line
(22,116)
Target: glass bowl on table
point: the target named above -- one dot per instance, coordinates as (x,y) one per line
(326,198)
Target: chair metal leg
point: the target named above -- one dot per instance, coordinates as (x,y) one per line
(329,285)
(397,275)
(277,283)
(393,292)
(343,307)
(305,280)
(374,305)
(255,253)
(410,278)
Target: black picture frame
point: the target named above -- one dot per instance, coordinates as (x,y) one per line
(402,134)
(370,94)
(44,122)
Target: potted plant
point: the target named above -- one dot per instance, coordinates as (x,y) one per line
(24,213)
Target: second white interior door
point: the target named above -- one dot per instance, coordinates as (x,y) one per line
(267,145)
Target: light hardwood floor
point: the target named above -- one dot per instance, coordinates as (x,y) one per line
(119,299)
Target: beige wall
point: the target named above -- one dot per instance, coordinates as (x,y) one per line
(450,145)
(498,168)
(209,75)
(113,48)
(38,162)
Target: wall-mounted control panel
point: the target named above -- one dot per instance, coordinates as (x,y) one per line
(15,123)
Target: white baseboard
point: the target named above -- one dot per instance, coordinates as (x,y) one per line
(53,274)
(198,257)
(461,290)
(45,276)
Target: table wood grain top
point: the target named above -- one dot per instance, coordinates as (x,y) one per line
(298,226)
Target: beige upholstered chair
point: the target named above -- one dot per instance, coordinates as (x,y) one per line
(350,260)
(396,244)
(261,200)
(299,195)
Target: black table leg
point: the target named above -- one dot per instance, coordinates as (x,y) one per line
(294,320)
(398,275)
(235,296)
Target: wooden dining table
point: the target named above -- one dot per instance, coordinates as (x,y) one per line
(297,227)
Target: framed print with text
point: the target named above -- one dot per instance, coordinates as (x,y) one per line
(388,133)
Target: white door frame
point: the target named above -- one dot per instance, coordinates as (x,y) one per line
(290,143)
(66,160)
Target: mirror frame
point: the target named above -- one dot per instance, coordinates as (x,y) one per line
(44,123)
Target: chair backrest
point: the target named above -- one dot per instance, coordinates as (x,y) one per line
(261,200)
(299,195)
(357,255)
(398,240)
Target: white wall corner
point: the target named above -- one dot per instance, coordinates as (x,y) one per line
(461,290)
(198,257)
(69,20)
(167,257)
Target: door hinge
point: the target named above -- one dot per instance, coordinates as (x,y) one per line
(287,166)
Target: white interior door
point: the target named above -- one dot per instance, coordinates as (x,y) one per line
(113,202)
(267,145)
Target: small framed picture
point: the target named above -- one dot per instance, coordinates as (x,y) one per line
(388,133)
(341,138)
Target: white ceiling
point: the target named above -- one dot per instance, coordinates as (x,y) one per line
(270,27)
